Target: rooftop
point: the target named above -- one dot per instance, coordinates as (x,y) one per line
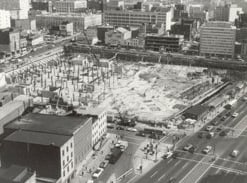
(12,172)
(196,110)
(37,138)
(60,125)
(67,15)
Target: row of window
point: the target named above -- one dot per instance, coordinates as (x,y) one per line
(68,169)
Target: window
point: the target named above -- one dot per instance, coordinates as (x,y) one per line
(63,162)
(67,168)
(71,154)
(67,158)
(71,164)
(71,145)
(67,149)
(64,173)
(63,153)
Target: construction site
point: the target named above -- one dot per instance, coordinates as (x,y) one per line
(141,90)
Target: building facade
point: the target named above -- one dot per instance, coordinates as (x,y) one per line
(70,6)
(80,21)
(4,19)
(138,18)
(164,42)
(10,41)
(218,39)
(101,30)
(117,36)
(228,13)
(18,8)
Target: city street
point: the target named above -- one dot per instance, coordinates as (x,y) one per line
(193,167)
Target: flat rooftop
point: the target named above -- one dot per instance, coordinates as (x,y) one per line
(45,139)
(60,125)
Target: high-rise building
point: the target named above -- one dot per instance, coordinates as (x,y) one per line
(70,6)
(137,18)
(228,13)
(4,19)
(18,8)
(218,39)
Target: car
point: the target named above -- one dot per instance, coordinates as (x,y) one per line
(207,149)
(108,157)
(132,129)
(224,132)
(223,118)
(176,154)
(219,128)
(234,153)
(193,149)
(228,114)
(97,173)
(209,128)
(117,145)
(210,135)
(110,126)
(141,134)
(187,147)
(104,164)
(216,122)
(120,128)
(200,134)
(168,155)
(235,114)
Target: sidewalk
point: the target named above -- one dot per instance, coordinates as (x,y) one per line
(91,163)
(149,161)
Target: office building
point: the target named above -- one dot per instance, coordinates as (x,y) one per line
(4,19)
(117,37)
(70,6)
(80,21)
(101,30)
(217,39)
(115,5)
(18,8)
(138,18)
(9,41)
(77,130)
(228,13)
(98,5)
(167,43)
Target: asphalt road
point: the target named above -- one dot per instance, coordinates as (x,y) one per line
(124,164)
(192,167)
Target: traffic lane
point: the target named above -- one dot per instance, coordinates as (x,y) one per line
(122,165)
(168,168)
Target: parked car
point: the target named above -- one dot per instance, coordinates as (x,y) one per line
(224,132)
(223,118)
(193,149)
(187,147)
(234,153)
(201,134)
(104,164)
(97,173)
(216,122)
(132,129)
(176,154)
(168,155)
(141,134)
(120,128)
(235,114)
(210,135)
(207,149)
(107,157)
(209,128)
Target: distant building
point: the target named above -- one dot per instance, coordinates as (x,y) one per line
(4,19)
(148,28)
(18,8)
(64,29)
(115,5)
(42,5)
(10,41)
(17,174)
(117,37)
(186,28)
(196,11)
(138,42)
(138,18)
(51,145)
(70,6)
(24,24)
(80,21)
(228,13)
(34,40)
(241,34)
(218,39)
(197,112)
(242,21)
(244,49)
(98,5)
(101,30)
(163,42)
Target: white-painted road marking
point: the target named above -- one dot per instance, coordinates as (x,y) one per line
(185,165)
(161,177)
(169,160)
(154,174)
